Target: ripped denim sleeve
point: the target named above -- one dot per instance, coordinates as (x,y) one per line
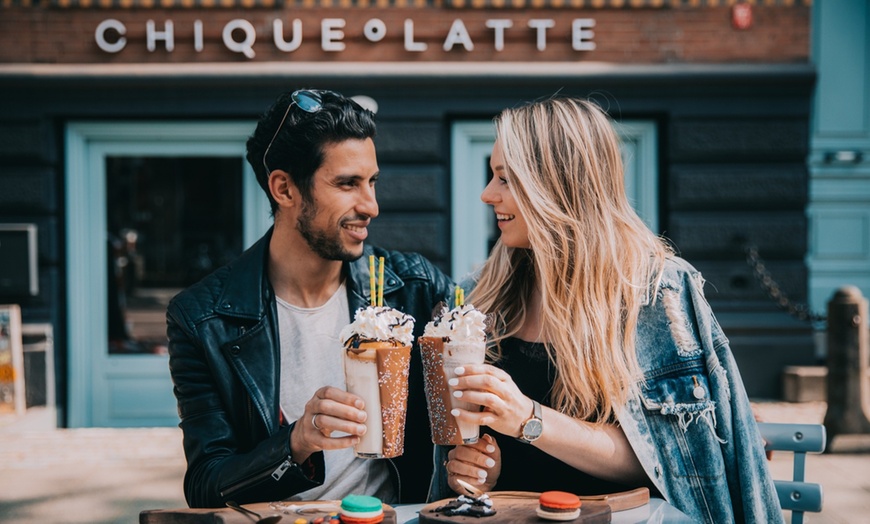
(681,328)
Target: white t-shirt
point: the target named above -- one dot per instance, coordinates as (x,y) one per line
(312,357)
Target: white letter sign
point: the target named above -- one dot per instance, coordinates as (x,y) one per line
(580,36)
(331,34)
(245,46)
(541,25)
(197,36)
(458,34)
(278,32)
(410,44)
(153,36)
(240,35)
(100,36)
(498,27)
(375,30)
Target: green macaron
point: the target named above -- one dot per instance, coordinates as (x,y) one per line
(361,504)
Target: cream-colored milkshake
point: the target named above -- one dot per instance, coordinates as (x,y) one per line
(377,358)
(456,338)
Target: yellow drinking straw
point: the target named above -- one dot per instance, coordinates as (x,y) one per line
(381,282)
(372,288)
(458,297)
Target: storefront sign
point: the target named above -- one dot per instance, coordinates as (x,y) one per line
(239,35)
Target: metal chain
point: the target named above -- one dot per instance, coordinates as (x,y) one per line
(770,286)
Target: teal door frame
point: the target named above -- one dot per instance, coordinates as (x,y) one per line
(839,162)
(127,390)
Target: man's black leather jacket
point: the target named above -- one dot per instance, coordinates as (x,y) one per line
(224,359)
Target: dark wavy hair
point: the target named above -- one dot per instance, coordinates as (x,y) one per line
(298,146)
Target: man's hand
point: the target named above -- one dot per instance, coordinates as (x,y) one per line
(329,410)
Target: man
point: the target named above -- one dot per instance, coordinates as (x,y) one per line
(254,349)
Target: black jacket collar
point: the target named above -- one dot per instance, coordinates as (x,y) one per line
(249,273)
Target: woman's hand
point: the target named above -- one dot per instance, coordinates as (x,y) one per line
(601,450)
(505,407)
(478,464)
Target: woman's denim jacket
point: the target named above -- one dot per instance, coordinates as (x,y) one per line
(691,425)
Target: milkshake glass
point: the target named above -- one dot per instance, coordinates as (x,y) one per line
(377,356)
(457,338)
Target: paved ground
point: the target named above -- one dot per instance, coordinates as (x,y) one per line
(86,475)
(98,475)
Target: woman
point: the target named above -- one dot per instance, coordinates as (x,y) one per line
(610,370)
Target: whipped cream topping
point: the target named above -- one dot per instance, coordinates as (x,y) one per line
(379,323)
(460,324)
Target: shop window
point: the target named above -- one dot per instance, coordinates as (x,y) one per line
(171,221)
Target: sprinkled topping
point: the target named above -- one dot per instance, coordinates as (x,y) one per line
(379,323)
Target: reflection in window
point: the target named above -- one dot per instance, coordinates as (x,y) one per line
(171,221)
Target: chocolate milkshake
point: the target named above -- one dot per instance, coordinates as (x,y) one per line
(456,338)
(377,358)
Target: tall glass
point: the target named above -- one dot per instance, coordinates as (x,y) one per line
(440,359)
(377,372)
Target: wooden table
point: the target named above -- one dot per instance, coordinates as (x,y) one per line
(289,510)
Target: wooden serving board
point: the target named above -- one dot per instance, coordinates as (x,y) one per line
(519,508)
(232,516)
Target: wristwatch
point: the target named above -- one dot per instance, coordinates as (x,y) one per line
(532,428)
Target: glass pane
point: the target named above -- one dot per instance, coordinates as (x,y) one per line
(171,221)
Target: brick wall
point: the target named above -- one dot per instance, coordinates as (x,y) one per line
(779,34)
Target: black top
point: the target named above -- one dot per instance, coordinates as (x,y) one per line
(525,467)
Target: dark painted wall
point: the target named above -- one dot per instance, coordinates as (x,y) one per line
(733,143)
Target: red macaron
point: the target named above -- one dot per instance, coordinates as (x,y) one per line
(558,505)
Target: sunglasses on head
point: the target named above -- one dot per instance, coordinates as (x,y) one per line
(308,101)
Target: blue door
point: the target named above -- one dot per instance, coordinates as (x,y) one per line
(151,208)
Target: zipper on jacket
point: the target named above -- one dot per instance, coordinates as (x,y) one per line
(282,468)
(275,474)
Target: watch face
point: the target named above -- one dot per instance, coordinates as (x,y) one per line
(532,429)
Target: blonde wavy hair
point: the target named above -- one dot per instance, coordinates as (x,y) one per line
(594,258)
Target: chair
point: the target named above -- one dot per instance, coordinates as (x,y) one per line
(796,495)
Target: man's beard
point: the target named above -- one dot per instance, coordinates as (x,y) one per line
(325,245)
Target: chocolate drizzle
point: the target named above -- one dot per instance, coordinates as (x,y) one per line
(465,506)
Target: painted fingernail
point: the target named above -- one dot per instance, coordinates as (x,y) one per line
(460,370)
(490,449)
(457,394)
(453,382)
(490,463)
(481,473)
(481,481)
(454,412)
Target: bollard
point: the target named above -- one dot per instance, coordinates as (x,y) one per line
(848,361)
